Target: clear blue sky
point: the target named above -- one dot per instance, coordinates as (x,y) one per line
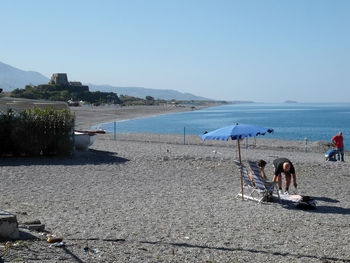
(262,50)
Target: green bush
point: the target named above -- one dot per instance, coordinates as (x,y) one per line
(35,132)
(7,124)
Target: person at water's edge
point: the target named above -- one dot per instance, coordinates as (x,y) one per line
(337,141)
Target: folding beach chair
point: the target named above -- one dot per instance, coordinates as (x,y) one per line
(250,192)
(246,181)
(267,188)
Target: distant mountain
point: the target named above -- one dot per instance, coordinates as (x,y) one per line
(139,92)
(12,78)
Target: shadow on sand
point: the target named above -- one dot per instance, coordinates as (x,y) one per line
(78,158)
(70,253)
(325,199)
(24,235)
(320,209)
(254,251)
(324,209)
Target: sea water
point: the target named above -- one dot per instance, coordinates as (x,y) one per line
(294,121)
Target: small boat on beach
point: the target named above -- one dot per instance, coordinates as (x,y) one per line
(84,139)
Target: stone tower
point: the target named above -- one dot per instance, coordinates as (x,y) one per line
(59,78)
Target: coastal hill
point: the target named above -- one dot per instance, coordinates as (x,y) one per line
(13,78)
(140,92)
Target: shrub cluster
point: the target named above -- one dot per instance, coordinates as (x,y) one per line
(35,132)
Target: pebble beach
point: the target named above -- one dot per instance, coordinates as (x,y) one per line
(152,198)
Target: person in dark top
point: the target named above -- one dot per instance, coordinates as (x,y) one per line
(283,165)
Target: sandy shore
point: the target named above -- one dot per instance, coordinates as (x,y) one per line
(150,198)
(88,116)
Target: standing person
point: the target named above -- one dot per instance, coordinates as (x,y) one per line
(283,165)
(337,140)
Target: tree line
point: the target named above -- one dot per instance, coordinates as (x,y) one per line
(59,92)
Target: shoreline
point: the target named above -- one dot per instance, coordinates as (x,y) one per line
(89,116)
(260,143)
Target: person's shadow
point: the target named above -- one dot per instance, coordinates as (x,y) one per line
(325,199)
(320,209)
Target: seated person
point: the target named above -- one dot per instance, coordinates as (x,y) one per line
(261,164)
(330,155)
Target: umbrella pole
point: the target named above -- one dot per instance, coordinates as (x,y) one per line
(240,162)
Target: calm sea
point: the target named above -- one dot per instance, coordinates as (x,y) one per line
(289,121)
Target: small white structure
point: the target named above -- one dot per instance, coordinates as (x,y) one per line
(83,140)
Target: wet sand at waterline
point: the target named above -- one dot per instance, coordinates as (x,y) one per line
(150,198)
